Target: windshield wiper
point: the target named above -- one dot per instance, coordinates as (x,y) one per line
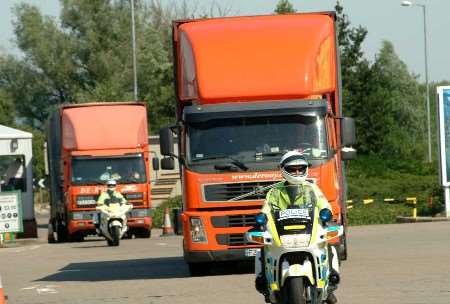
(131,181)
(234,161)
(231,165)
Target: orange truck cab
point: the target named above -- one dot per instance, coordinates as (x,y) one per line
(250,89)
(88,144)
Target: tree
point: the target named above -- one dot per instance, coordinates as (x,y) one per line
(393,116)
(284,7)
(87,57)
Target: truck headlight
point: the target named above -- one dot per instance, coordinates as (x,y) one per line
(82,216)
(139,213)
(295,240)
(134,196)
(198,234)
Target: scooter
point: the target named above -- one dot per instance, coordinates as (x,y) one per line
(113,221)
(297,254)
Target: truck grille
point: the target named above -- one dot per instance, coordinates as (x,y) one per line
(225,192)
(247,220)
(235,239)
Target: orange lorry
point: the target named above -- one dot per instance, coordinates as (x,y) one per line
(88,144)
(249,89)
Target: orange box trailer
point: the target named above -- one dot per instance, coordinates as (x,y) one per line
(249,89)
(87,144)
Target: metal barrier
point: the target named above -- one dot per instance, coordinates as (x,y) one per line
(408,200)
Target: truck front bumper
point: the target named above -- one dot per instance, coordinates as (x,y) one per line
(217,256)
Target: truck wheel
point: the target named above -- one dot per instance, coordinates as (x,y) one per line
(198,269)
(51,233)
(342,250)
(61,232)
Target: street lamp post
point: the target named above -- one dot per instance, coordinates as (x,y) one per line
(409,4)
(133,34)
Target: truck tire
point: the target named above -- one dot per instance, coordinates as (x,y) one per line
(61,232)
(51,233)
(342,250)
(198,269)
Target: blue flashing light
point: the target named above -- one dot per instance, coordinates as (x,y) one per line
(261,219)
(325,215)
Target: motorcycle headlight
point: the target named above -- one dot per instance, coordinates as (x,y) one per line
(139,213)
(198,234)
(295,240)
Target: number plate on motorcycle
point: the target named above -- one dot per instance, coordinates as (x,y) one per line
(302,213)
(251,252)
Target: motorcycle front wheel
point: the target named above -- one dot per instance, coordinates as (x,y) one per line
(115,234)
(298,292)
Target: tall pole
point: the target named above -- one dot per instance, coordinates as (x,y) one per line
(133,34)
(426,80)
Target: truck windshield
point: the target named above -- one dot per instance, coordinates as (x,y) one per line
(256,139)
(97,170)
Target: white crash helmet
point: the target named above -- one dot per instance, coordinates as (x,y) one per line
(294,167)
(111,183)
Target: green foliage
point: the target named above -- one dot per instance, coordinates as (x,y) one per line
(88,57)
(377,213)
(378,178)
(284,7)
(7,111)
(158,213)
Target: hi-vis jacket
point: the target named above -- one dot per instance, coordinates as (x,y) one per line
(308,193)
(115,196)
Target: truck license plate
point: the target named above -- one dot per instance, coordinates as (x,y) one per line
(251,252)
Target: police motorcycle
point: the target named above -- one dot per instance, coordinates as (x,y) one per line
(113,220)
(297,256)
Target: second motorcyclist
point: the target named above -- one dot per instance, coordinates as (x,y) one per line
(107,197)
(296,191)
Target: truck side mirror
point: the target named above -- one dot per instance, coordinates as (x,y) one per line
(155,163)
(348,153)
(166,142)
(168,163)
(348,136)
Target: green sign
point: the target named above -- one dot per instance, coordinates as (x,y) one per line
(11,212)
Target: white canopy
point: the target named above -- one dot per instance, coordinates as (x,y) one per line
(10,133)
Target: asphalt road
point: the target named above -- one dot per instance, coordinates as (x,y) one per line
(406,263)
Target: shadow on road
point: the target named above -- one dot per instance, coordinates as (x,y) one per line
(138,269)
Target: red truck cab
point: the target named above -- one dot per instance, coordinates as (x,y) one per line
(88,144)
(250,89)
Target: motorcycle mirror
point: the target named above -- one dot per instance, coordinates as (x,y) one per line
(325,215)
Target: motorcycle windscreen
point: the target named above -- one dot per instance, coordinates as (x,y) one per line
(298,220)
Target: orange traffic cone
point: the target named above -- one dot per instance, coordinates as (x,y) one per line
(2,295)
(167,226)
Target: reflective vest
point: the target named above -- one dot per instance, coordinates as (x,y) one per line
(307,193)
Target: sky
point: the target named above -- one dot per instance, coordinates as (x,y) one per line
(384,20)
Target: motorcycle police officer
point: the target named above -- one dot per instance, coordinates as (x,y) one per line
(297,191)
(106,197)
